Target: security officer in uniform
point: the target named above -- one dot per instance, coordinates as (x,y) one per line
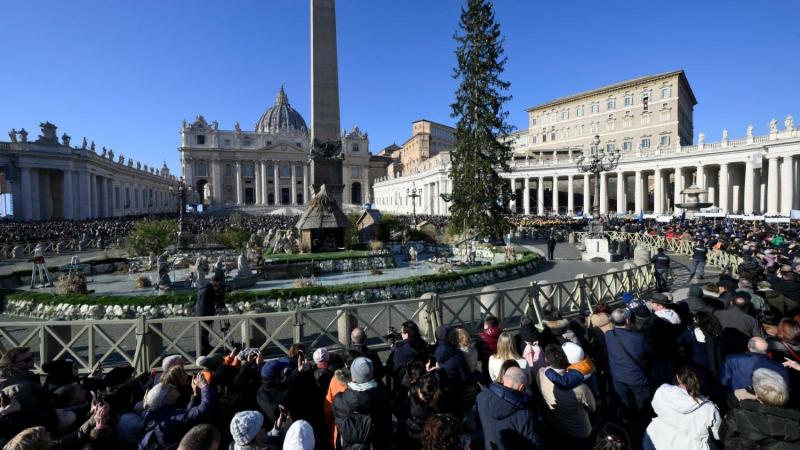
(699,256)
(661,262)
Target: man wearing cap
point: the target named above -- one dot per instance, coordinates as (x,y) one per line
(665,328)
(362,413)
(273,393)
(727,291)
(209,299)
(661,263)
(699,254)
(738,326)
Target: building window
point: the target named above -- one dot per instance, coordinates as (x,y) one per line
(595,108)
(565,114)
(594,127)
(664,140)
(355,148)
(627,122)
(544,137)
(611,104)
(286,171)
(246,143)
(533,123)
(298,173)
(645,100)
(666,92)
(355,172)
(610,147)
(533,139)
(645,119)
(248,170)
(665,115)
(226,142)
(201,139)
(628,100)
(626,146)
(201,170)
(646,142)
(579,111)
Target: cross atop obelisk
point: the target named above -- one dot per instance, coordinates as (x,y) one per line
(326,145)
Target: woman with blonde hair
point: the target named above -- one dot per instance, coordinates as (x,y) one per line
(506,350)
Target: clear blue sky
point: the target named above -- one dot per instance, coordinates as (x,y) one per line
(125,74)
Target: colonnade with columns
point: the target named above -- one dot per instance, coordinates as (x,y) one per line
(259,182)
(756,183)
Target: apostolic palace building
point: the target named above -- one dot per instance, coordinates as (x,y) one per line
(650,121)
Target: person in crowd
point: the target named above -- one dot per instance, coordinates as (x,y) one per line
(274,391)
(323,372)
(358,343)
(487,344)
(505,351)
(361,413)
(34,438)
(726,289)
(551,246)
(737,370)
(699,256)
(166,422)
(738,326)
(684,418)
(209,299)
(460,338)
(411,348)
(785,346)
(760,419)
(247,431)
(451,361)
(568,410)
(700,347)
(505,414)
(697,302)
(201,437)
(630,366)
(424,397)
(443,432)
(661,263)
(299,436)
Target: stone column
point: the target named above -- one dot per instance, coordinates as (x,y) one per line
(676,191)
(638,193)
(112,200)
(94,199)
(603,193)
(621,207)
(66,195)
(555,195)
(540,196)
(749,187)
(724,189)
(511,203)
(787,186)
(239,193)
(700,177)
(658,192)
(264,183)
(216,182)
(570,195)
(85,195)
(26,200)
(277,183)
(36,197)
(257,181)
(526,196)
(587,196)
(773,196)
(306,195)
(294,185)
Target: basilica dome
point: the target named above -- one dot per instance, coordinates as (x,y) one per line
(281,118)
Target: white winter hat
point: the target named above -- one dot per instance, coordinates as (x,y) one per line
(300,436)
(245,426)
(573,351)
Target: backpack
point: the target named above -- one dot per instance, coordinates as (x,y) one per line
(356,432)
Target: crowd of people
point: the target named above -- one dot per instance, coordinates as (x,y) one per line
(716,368)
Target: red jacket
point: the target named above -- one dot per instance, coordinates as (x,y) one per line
(489,338)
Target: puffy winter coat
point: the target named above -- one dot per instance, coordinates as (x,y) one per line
(363,417)
(166,426)
(755,425)
(682,422)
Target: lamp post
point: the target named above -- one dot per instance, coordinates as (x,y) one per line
(179,190)
(596,161)
(414,194)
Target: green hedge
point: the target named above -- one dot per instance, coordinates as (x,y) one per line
(327,256)
(243,296)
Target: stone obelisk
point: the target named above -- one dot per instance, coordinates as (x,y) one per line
(326,144)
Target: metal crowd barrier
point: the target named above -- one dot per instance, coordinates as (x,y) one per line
(143,342)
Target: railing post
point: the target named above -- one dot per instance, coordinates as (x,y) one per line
(345,324)
(583,287)
(140,353)
(50,347)
(297,330)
